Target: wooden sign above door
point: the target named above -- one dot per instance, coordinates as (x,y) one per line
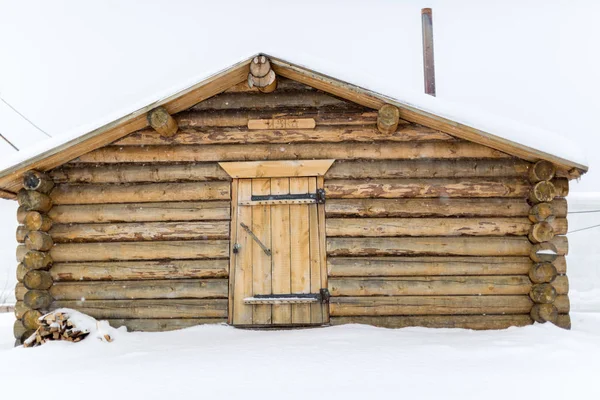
(284,123)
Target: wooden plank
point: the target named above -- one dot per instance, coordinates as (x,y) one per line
(294,151)
(137,232)
(167,308)
(123,173)
(300,251)
(139,193)
(139,270)
(282,123)
(10,178)
(392,188)
(435,207)
(461,168)
(373,100)
(322,248)
(200,134)
(417,266)
(140,212)
(276,169)
(232,248)
(163,324)
(434,246)
(261,272)
(124,290)
(477,322)
(242,313)
(186,249)
(280,232)
(316,313)
(436,305)
(374,227)
(431,286)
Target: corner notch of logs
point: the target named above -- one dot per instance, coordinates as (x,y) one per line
(34,256)
(543,252)
(262,75)
(162,122)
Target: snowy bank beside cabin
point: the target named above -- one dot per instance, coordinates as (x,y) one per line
(350,362)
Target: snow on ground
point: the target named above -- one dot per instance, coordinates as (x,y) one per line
(350,362)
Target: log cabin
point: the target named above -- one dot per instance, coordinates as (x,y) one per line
(271,195)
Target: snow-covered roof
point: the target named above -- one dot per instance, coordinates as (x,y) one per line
(100,89)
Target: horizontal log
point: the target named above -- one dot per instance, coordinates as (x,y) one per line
(38,240)
(562,187)
(431,285)
(162,325)
(437,187)
(418,266)
(139,270)
(125,173)
(21,272)
(36,221)
(19,329)
(169,308)
(37,181)
(295,151)
(37,299)
(451,246)
(37,260)
(141,212)
(438,207)
(435,226)
(436,305)
(141,231)
(20,291)
(249,100)
(139,193)
(34,201)
(322,134)
(427,169)
(188,249)
(477,322)
(323,116)
(126,290)
(563,321)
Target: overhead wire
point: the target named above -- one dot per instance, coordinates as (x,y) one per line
(24,117)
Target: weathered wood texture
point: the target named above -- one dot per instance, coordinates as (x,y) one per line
(437,305)
(438,285)
(139,270)
(148,231)
(188,249)
(477,322)
(139,193)
(141,212)
(435,207)
(167,308)
(432,266)
(451,246)
(124,290)
(375,227)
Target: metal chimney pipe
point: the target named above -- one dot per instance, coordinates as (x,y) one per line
(428,62)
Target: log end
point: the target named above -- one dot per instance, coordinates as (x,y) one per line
(544,313)
(543,293)
(387,119)
(162,122)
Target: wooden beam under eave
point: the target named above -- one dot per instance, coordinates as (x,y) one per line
(7,195)
(11,180)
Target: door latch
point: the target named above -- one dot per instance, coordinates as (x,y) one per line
(236,248)
(256,239)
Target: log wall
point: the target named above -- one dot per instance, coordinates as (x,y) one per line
(422,228)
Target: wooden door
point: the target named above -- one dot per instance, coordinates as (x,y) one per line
(278,258)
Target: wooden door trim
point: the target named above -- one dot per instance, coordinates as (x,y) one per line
(232,241)
(277,169)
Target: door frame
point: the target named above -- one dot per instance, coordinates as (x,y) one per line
(275,169)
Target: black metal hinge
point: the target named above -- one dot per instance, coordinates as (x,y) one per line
(318,197)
